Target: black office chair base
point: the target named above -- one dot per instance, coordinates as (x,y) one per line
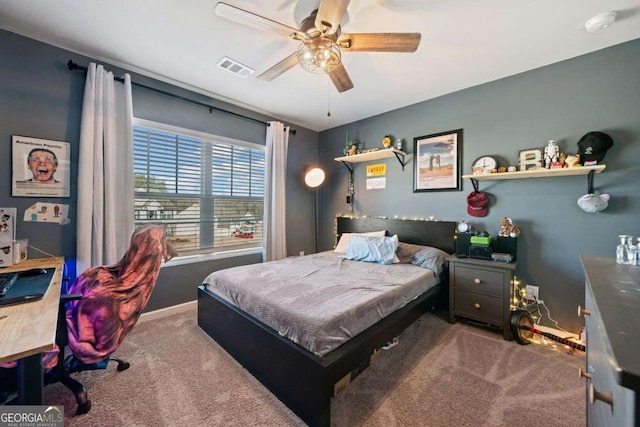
(83,408)
(78,390)
(122,365)
(70,365)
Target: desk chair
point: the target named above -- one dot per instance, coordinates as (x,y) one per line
(101,307)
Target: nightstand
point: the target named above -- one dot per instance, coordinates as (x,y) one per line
(482,291)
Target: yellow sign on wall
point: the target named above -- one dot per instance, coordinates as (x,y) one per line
(377,170)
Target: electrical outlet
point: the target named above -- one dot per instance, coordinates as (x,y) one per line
(532,293)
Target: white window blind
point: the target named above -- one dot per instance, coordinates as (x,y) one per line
(208,190)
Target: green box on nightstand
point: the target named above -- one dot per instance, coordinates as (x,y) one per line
(481,240)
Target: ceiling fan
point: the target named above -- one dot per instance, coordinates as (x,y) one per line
(322,43)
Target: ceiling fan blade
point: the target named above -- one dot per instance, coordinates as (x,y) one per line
(250,19)
(379,42)
(330,13)
(282,66)
(340,78)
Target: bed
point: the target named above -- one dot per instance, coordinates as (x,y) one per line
(305,379)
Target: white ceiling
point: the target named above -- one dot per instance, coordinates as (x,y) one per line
(464,43)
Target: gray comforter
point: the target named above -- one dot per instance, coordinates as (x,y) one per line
(320,301)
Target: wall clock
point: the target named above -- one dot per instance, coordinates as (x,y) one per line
(484,164)
(463,226)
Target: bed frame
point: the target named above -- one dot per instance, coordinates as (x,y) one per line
(300,379)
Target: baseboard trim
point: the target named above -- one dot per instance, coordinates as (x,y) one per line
(168,311)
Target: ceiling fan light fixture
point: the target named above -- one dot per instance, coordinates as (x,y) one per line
(319,54)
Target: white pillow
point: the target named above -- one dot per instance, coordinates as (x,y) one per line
(341,247)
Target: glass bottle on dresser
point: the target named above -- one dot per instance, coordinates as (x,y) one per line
(625,249)
(633,252)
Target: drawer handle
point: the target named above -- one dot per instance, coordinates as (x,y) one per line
(583,374)
(596,395)
(476,281)
(583,311)
(476,305)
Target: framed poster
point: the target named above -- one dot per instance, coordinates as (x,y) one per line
(40,167)
(437,161)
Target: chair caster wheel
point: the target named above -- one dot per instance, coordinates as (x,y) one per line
(122,366)
(83,408)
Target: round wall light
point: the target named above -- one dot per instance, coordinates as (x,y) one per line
(314,177)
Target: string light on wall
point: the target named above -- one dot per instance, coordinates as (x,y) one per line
(520,302)
(352,216)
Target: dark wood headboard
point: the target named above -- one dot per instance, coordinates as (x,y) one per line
(439,234)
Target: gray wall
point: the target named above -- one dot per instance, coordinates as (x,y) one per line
(40,97)
(599,91)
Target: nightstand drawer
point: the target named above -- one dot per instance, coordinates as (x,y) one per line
(480,307)
(488,282)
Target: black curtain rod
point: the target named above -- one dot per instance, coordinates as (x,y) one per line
(73,66)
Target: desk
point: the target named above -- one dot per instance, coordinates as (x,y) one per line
(29,329)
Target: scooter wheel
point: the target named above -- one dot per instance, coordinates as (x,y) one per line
(521,320)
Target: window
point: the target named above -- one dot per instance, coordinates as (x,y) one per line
(208,190)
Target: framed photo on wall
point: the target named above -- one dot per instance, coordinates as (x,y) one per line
(40,167)
(437,161)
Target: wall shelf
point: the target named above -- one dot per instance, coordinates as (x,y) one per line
(539,173)
(383,153)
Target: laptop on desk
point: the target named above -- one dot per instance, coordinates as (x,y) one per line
(29,286)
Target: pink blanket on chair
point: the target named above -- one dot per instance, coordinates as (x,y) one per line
(113,297)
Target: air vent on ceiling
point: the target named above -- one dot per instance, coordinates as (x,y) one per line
(235,67)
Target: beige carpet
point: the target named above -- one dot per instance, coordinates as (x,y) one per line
(438,375)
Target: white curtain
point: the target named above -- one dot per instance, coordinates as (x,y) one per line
(105,170)
(274,232)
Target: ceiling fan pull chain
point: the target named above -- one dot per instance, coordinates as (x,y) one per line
(328,96)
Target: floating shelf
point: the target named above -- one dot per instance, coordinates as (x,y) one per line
(538,173)
(383,153)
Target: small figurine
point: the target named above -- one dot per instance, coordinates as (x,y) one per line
(551,152)
(508,228)
(571,161)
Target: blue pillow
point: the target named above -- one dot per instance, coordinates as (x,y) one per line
(372,249)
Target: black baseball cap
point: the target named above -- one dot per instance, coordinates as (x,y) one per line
(593,146)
